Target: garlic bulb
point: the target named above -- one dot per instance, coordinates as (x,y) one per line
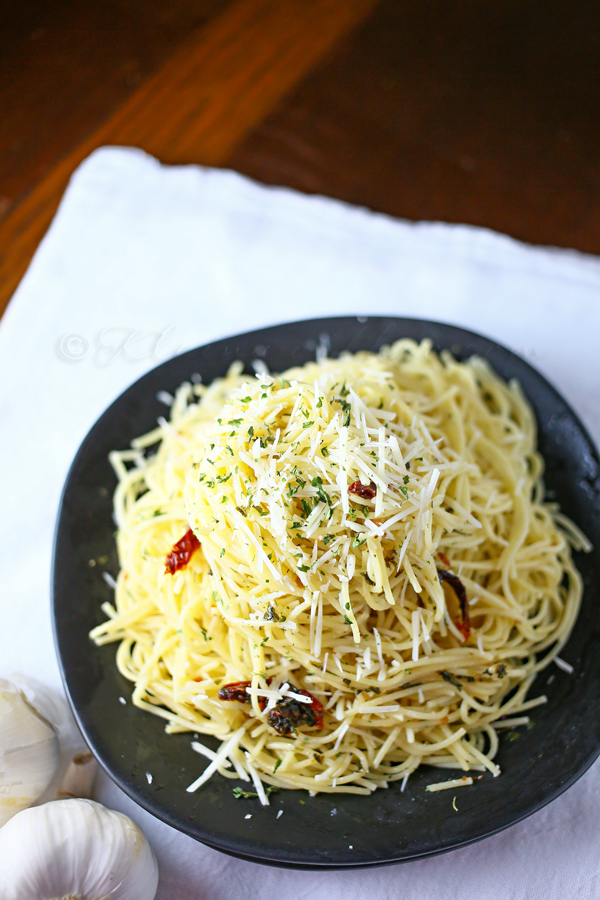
(75,849)
(29,752)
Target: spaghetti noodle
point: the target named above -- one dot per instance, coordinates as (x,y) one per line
(343,572)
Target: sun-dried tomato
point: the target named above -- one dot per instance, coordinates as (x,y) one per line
(181,553)
(287,715)
(464,626)
(444,559)
(366,491)
(237,691)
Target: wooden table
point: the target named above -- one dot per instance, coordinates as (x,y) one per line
(463,110)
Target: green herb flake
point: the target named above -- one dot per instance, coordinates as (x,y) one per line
(347,410)
(450,678)
(240,794)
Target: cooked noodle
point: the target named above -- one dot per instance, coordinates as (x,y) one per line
(341,508)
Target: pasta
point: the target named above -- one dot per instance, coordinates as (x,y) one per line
(343,572)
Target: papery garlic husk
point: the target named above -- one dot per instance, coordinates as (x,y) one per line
(29,752)
(79,778)
(75,849)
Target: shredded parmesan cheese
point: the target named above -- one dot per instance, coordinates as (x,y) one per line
(369,531)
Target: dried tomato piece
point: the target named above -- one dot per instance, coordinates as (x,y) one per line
(366,491)
(179,555)
(464,626)
(235,691)
(290,714)
(287,715)
(444,559)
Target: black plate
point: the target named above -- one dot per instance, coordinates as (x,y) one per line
(327,830)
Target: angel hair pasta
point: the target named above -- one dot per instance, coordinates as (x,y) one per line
(343,572)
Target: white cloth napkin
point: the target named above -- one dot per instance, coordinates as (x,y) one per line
(143,261)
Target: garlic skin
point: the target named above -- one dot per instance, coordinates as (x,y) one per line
(79,777)
(75,849)
(29,752)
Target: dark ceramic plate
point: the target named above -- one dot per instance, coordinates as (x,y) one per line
(324,831)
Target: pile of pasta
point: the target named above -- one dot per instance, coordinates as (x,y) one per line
(343,572)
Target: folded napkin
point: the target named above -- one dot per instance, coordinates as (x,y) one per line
(143,261)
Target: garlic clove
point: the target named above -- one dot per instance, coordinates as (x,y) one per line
(75,848)
(29,752)
(79,777)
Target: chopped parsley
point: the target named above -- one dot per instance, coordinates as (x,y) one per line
(347,410)
(322,495)
(240,794)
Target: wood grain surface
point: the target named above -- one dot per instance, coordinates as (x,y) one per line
(66,66)
(457,110)
(220,82)
(453,110)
